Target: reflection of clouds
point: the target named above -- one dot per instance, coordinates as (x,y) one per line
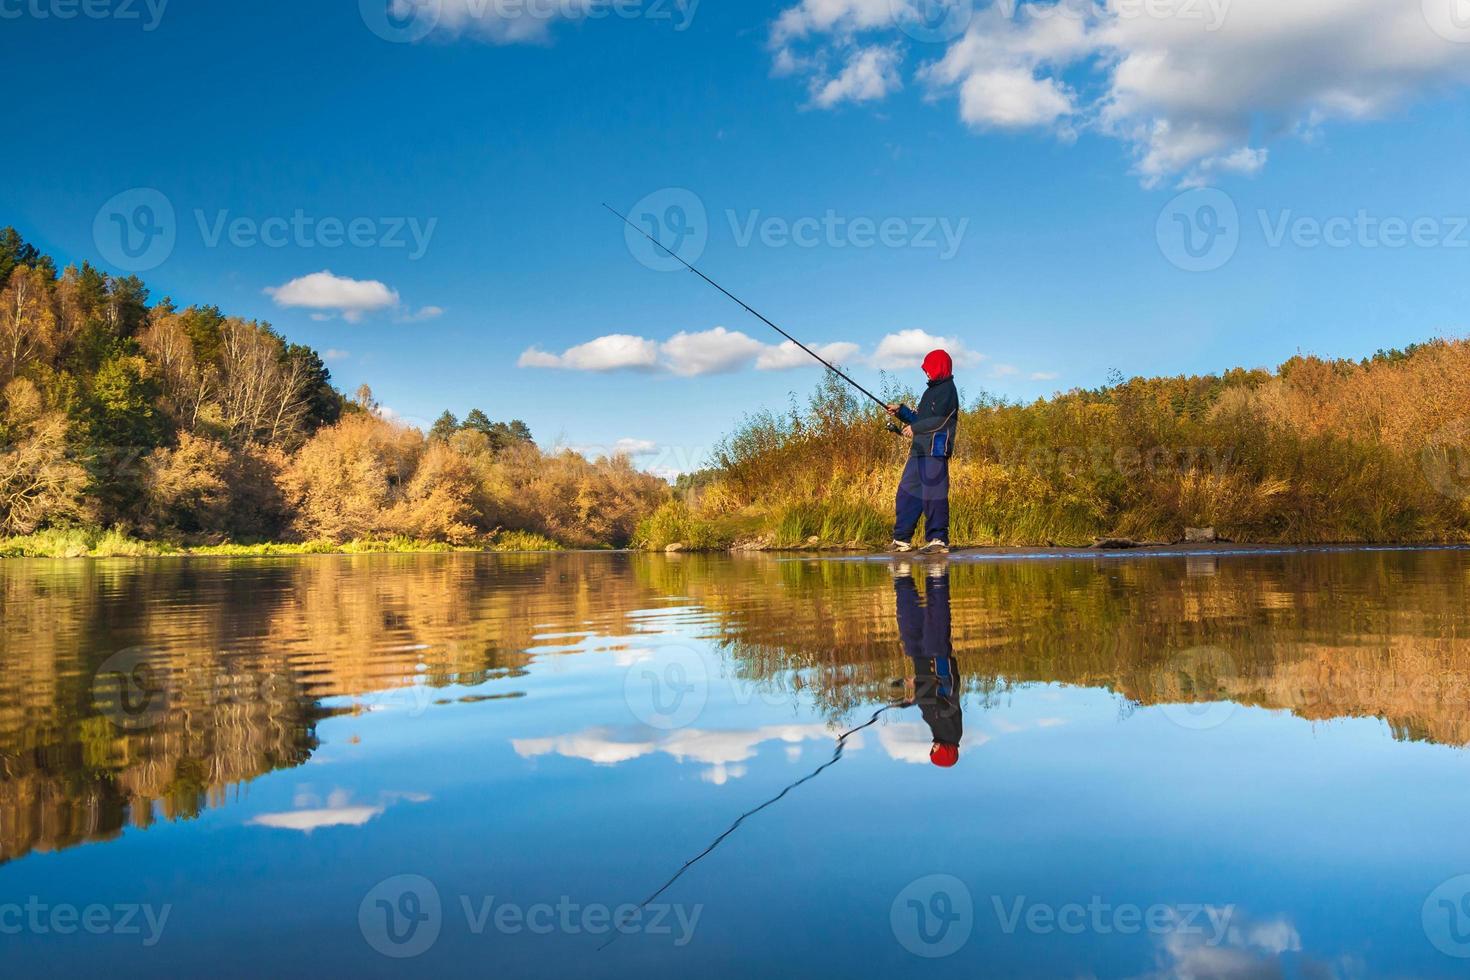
(1247,951)
(910,741)
(906,741)
(598,745)
(339,811)
(722,751)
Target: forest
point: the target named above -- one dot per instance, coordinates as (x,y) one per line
(129,425)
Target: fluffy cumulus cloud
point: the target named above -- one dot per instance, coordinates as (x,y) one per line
(714,351)
(906,350)
(614,352)
(786,356)
(331,295)
(869,74)
(720,351)
(1195,89)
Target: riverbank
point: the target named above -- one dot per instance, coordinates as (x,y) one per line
(97,543)
(1370,451)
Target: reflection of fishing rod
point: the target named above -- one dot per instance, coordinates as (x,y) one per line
(824,362)
(836,754)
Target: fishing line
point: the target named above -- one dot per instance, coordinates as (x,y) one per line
(836,755)
(825,363)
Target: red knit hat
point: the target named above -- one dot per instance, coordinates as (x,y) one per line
(943,755)
(938,365)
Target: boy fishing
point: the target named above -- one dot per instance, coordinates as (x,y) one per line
(924,487)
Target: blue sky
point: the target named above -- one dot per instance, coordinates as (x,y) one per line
(1313,150)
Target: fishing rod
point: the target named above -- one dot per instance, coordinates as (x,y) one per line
(822,360)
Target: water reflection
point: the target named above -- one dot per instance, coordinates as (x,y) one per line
(924,628)
(229,668)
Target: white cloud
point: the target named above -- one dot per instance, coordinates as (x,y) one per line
(332,354)
(709,352)
(719,351)
(786,355)
(1194,89)
(830,16)
(906,349)
(635,447)
(323,291)
(686,354)
(498,23)
(613,352)
(1004,371)
(870,74)
(623,447)
(424,313)
(1044,375)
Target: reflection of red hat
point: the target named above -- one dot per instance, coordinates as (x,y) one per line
(938,365)
(943,755)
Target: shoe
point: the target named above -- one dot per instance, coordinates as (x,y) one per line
(935,547)
(900,547)
(902,569)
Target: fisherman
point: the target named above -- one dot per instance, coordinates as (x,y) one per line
(924,630)
(924,486)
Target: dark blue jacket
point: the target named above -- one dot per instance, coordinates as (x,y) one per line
(936,422)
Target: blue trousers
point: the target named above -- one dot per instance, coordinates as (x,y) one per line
(923,489)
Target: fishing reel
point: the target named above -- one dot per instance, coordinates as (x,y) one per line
(895,428)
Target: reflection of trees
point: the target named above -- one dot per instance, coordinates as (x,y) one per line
(250,649)
(1362,634)
(246,652)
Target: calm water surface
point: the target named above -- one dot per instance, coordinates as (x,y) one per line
(1231,766)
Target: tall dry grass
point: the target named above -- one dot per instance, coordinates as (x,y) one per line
(1315,451)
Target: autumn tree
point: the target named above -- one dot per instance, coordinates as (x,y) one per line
(39,482)
(28,326)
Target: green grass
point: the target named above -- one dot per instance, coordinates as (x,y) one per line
(673,523)
(832,523)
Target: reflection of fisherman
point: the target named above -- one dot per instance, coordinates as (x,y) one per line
(924,629)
